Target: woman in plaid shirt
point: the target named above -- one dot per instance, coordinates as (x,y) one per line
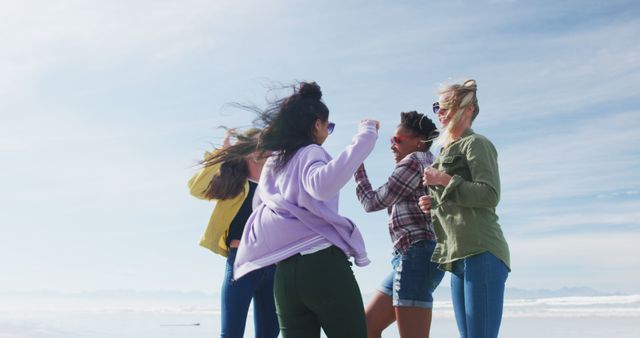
(405,295)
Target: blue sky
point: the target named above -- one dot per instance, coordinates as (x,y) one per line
(106,107)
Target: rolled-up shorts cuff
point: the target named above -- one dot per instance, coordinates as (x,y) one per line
(414,277)
(412,303)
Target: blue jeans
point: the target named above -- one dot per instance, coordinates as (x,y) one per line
(414,276)
(477,293)
(237,295)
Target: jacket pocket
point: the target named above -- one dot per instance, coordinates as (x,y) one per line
(451,163)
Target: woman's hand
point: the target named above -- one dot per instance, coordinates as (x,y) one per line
(425,204)
(367,122)
(433,176)
(227,137)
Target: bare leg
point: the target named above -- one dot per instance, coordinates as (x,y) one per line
(380,314)
(413,322)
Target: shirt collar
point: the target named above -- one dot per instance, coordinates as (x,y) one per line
(467,132)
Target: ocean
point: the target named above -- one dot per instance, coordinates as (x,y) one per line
(103,317)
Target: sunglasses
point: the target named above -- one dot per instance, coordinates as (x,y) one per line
(436,107)
(330,127)
(399,139)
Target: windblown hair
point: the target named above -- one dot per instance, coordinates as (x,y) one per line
(289,122)
(420,125)
(457,98)
(229,182)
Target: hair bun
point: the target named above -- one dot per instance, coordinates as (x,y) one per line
(470,84)
(310,90)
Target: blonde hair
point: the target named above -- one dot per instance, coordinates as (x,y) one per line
(456,99)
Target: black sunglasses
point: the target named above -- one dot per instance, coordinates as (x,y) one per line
(436,107)
(330,127)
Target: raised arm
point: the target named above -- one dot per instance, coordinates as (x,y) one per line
(404,180)
(199,182)
(323,179)
(226,142)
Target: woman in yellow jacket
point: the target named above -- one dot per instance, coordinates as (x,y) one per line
(230,176)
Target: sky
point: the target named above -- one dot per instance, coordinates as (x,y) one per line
(106,108)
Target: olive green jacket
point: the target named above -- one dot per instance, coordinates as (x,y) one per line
(464,211)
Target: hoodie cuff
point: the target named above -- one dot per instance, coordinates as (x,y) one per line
(362,261)
(367,126)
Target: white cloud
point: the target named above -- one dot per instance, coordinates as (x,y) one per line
(43,35)
(607,261)
(554,74)
(594,218)
(579,158)
(87,158)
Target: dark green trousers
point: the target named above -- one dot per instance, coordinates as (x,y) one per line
(317,291)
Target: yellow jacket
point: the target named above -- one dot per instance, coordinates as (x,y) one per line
(215,236)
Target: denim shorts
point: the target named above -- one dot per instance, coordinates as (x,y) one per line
(414,276)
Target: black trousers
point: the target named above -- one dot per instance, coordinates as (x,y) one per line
(317,291)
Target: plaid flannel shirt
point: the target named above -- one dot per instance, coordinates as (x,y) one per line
(400,195)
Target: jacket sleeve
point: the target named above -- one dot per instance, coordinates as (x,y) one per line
(200,181)
(323,179)
(404,180)
(483,191)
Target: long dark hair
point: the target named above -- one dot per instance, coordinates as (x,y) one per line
(421,126)
(229,182)
(289,122)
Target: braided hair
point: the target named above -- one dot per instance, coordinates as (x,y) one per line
(420,125)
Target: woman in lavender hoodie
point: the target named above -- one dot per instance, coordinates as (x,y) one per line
(297,224)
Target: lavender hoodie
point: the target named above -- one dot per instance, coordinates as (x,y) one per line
(299,206)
